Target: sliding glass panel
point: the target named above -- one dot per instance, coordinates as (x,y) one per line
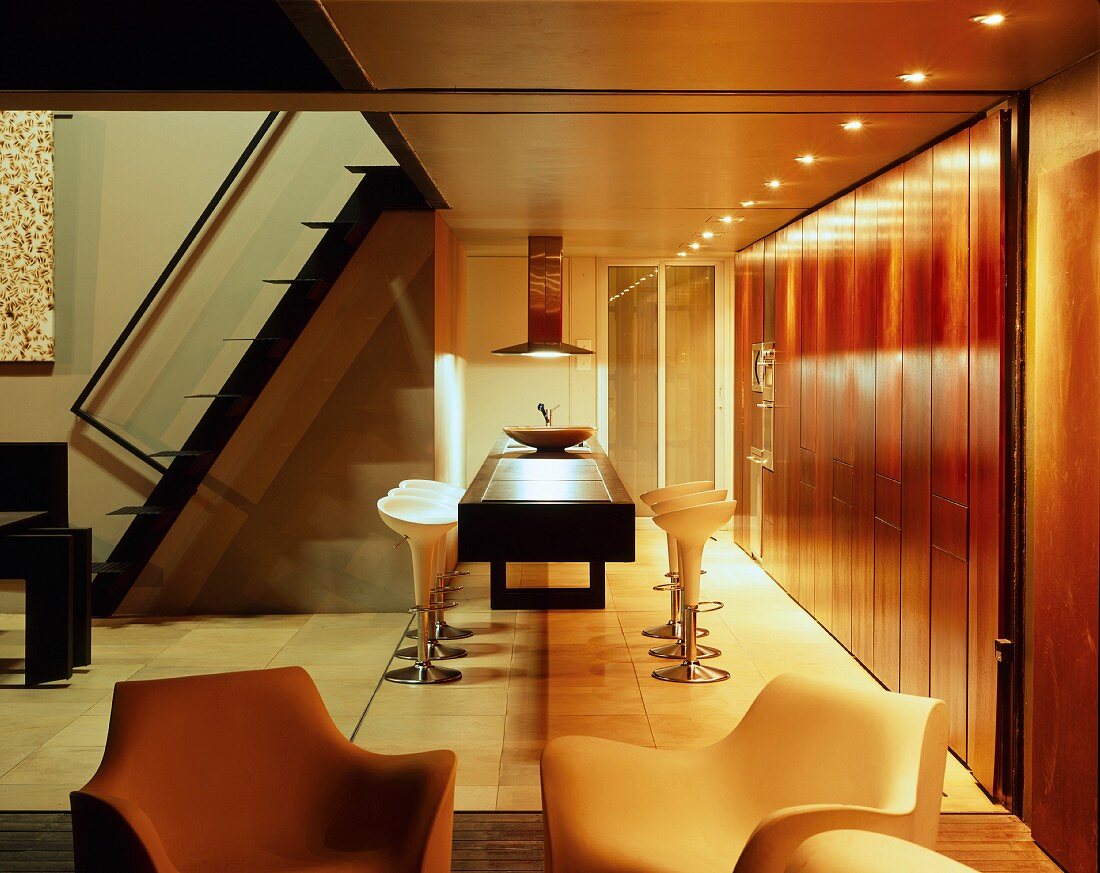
(632,330)
(689,373)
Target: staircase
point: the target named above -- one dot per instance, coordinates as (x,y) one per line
(182,469)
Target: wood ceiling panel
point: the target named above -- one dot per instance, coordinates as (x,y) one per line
(630,184)
(768,45)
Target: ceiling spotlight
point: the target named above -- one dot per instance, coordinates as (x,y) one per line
(914,78)
(774,183)
(681,254)
(707,234)
(748,203)
(695,246)
(854,124)
(992,19)
(726,219)
(805,159)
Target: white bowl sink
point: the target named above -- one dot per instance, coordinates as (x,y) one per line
(550,438)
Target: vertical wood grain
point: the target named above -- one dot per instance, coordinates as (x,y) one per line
(826,374)
(950,291)
(888,311)
(808,333)
(986,460)
(1066,507)
(947,655)
(789,293)
(863,417)
(916,377)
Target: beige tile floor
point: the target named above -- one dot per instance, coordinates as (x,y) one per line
(529,676)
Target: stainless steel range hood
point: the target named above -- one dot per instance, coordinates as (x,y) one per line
(543,303)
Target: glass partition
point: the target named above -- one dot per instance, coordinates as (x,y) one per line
(632,356)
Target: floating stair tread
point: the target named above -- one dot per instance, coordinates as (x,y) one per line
(325,225)
(221,396)
(359,168)
(181,453)
(111,566)
(291,281)
(140,510)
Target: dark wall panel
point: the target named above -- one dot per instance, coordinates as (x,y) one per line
(887,496)
(987,425)
(916,391)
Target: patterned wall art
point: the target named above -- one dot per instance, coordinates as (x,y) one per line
(26,237)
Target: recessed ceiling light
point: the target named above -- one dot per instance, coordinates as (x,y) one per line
(854,124)
(774,183)
(694,245)
(681,254)
(914,78)
(991,19)
(805,159)
(707,234)
(748,203)
(726,219)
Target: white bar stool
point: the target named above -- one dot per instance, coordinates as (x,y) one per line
(456,493)
(676,648)
(670,630)
(423,523)
(692,528)
(441,587)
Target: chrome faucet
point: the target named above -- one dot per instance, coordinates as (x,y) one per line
(547,414)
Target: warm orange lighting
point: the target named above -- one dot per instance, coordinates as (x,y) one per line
(774,183)
(695,246)
(726,219)
(991,19)
(748,203)
(854,124)
(681,254)
(914,78)
(707,234)
(805,159)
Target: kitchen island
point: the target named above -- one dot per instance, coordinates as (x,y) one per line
(528,506)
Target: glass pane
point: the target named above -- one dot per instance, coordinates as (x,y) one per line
(632,376)
(689,373)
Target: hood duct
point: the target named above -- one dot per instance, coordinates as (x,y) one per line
(543,303)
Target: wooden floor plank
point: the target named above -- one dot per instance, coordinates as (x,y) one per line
(489,842)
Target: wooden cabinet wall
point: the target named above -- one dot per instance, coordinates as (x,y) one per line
(885,507)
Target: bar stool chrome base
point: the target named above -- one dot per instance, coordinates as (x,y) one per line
(422,674)
(691,671)
(444,631)
(671,630)
(436,652)
(678,651)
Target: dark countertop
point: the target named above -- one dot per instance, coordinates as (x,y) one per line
(514,473)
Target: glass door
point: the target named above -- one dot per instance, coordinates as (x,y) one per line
(660,372)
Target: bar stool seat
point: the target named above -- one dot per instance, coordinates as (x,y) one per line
(423,523)
(692,527)
(670,630)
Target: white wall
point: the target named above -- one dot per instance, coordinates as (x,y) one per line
(503,391)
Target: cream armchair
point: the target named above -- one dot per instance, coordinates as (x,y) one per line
(809,756)
(864,852)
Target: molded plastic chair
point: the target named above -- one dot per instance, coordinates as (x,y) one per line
(246,772)
(691,527)
(867,852)
(670,630)
(809,756)
(423,523)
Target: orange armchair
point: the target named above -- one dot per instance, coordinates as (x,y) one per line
(246,772)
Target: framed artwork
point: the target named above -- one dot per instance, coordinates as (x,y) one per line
(26,236)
